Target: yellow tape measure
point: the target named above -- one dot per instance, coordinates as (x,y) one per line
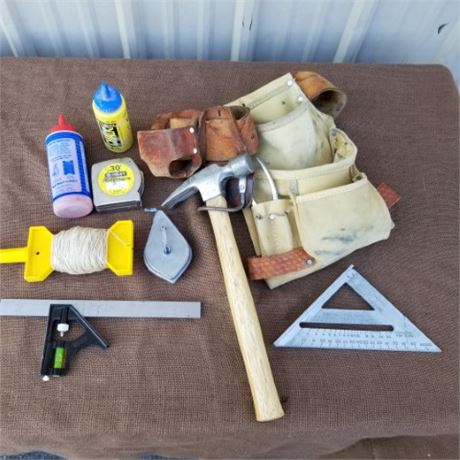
(116,179)
(117,185)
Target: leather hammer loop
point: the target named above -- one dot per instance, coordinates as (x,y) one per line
(180,142)
(324,95)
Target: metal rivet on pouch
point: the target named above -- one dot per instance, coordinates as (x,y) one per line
(309,262)
(290,82)
(192,130)
(300,99)
(195,150)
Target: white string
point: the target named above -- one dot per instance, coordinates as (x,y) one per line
(79,250)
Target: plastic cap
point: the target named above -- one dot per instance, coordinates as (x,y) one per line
(107,98)
(62,125)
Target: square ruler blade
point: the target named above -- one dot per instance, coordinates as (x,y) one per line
(104,308)
(383,328)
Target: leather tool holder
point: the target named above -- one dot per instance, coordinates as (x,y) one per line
(226,132)
(179,142)
(325,208)
(171,147)
(324,95)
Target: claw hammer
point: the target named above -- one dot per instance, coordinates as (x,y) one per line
(210,183)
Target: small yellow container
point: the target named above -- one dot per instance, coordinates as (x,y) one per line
(111,114)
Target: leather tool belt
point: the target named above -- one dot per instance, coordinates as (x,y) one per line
(324,207)
(179,142)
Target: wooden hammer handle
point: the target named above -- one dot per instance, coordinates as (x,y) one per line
(264,394)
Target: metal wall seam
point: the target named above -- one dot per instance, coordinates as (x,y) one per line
(242,24)
(358,22)
(50,20)
(89,29)
(12,34)
(448,45)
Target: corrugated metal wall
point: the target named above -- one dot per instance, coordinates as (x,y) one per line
(378,31)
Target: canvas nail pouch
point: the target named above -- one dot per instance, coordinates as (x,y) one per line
(326,207)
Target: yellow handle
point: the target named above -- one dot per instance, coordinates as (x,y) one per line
(264,394)
(13,255)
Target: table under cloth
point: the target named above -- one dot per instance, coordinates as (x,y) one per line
(178,387)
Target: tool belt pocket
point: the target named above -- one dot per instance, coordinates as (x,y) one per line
(333,223)
(305,232)
(275,225)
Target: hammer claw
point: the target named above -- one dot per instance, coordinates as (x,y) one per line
(182,193)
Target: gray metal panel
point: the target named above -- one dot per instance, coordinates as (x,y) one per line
(372,31)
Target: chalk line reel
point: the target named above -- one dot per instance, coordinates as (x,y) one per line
(92,249)
(167,253)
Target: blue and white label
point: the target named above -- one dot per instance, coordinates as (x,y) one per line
(67,165)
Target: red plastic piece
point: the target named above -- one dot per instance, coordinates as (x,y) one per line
(62,125)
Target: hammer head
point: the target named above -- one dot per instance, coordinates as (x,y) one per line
(210,181)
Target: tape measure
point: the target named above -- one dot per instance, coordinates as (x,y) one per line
(117,185)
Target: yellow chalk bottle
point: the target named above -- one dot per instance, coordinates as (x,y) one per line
(111,114)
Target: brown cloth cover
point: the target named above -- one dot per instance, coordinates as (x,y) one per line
(178,387)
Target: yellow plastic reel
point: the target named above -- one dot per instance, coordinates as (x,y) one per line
(37,254)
